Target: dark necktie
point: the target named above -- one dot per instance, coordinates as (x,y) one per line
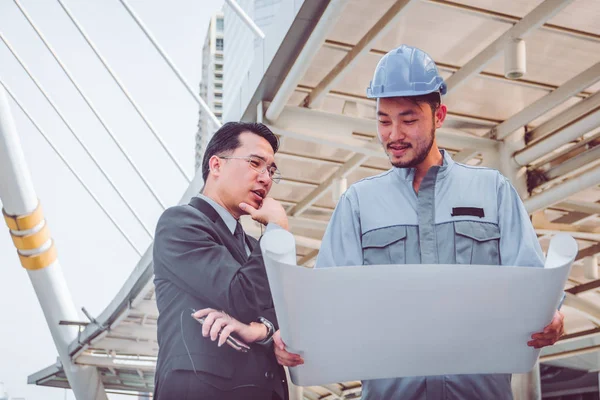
(238,234)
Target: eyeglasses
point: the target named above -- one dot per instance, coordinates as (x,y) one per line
(259,165)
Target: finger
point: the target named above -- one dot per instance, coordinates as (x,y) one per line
(545,335)
(538,344)
(208,322)
(288,363)
(217,327)
(248,208)
(202,313)
(224,335)
(288,357)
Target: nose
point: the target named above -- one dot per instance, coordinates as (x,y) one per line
(396,132)
(264,177)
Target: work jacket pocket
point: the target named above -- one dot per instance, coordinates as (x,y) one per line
(384,246)
(476,242)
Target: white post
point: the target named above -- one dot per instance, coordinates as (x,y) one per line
(527,386)
(37,254)
(509,168)
(590,267)
(339,186)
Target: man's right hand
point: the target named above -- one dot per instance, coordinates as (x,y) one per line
(270,211)
(283,357)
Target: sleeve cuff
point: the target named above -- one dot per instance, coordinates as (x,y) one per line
(562,300)
(272,226)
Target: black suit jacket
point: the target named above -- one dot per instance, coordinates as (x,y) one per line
(199,264)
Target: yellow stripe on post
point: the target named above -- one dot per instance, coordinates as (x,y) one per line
(40,260)
(24,222)
(31,241)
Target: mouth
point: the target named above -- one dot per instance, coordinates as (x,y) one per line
(398,149)
(260,193)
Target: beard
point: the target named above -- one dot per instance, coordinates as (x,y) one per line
(421,149)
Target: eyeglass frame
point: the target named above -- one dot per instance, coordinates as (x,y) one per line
(276,177)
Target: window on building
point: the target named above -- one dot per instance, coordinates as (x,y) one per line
(218,67)
(218,95)
(218,76)
(218,86)
(220,44)
(218,56)
(220,24)
(218,106)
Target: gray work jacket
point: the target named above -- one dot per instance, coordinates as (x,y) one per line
(461,215)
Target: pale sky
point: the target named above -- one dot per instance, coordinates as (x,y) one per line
(95,258)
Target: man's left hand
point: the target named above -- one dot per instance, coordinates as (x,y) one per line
(219,325)
(550,334)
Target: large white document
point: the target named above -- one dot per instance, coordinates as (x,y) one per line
(384,321)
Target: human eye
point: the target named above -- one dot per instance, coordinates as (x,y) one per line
(255,162)
(410,121)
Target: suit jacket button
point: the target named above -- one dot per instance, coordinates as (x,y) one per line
(269,375)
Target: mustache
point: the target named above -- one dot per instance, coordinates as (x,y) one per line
(403,144)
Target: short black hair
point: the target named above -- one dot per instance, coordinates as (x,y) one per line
(227,139)
(434,100)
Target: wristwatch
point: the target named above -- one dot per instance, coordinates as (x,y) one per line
(270,331)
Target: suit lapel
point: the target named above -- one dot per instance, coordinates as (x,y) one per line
(232,244)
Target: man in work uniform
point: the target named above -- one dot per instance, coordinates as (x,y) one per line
(429,209)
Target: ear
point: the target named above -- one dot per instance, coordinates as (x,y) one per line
(214,166)
(440,115)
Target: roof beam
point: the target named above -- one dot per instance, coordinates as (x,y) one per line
(554,141)
(566,117)
(337,45)
(352,164)
(125,346)
(580,206)
(590,139)
(585,159)
(308,257)
(310,49)
(466,155)
(569,353)
(548,102)
(346,143)
(513,19)
(381,27)
(542,13)
(591,310)
(540,221)
(109,362)
(563,190)
(451,115)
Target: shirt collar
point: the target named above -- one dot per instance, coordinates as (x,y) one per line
(409,173)
(223,213)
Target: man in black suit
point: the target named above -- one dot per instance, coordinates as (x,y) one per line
(204,261)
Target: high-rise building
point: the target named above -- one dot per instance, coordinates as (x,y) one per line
(220,80)
(211,85)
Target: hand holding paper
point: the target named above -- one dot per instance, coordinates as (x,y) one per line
(488,313)
(551,333)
